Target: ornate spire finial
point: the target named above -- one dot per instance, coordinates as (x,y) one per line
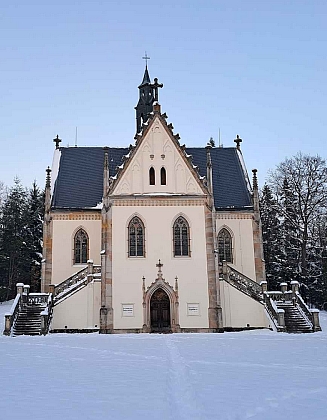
(57,140)
(106,159)
(48,178)
(159,265)
(238,142)
(176,284)
(146,58)
(255,179)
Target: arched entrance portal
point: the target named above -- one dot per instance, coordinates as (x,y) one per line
(160,312)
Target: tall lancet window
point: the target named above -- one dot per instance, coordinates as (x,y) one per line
(152,176)
(225,246)
(136,238)
(81,247)
(181,233)
(163,176)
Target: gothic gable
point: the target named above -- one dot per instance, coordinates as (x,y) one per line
(158,165)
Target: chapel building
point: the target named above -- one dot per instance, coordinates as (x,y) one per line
(154,237)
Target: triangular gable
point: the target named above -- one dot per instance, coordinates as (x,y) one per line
(158,148)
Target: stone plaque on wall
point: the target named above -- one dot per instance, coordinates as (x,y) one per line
(127,309)
(193,309)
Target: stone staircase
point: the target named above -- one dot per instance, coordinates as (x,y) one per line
(29,321)
(286,308)
(295,320)
(31,313)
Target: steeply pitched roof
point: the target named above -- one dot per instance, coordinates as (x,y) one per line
(146,77)
(79,183)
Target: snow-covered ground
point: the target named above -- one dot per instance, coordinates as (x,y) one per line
(231,376)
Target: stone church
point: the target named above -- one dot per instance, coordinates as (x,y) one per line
(153,237)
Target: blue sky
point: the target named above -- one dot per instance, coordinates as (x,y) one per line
(253,68)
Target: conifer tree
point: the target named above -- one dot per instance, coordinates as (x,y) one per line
(14,255)
(271,237)
(35,211)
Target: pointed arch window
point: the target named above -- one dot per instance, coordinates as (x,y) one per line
(136,238)
(225,246)
(81,247)
(163,177)
(181,234)
(152,176)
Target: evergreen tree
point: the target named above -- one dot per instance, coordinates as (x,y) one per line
(35,212)
(14,256)
(271,238)
(290,241)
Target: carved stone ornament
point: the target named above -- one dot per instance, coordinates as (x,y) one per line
(166,289)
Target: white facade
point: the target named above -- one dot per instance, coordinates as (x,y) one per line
(196,296)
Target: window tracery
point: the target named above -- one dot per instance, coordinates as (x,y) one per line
(181,234)
(136,238)
(225,246)
(81,247)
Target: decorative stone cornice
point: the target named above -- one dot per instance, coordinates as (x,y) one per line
(76,216)
(233,215)
(159,202)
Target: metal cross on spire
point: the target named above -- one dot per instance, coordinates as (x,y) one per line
(146,58)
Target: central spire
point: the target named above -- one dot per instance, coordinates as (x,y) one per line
(148,94)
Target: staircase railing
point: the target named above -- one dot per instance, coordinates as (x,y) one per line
(37,298)
(46,316)
(242,282)
(74,282)
(276,315)
(312,315)
(11,316)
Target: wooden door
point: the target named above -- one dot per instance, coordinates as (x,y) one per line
(160,312)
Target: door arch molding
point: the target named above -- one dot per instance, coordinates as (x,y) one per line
(160,283)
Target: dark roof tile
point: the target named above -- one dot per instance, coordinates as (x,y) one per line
(79,182)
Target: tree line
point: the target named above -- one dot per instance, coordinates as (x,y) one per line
(294,226)
(21,218)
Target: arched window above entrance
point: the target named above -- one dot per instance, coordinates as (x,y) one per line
(163,177)
(81,247)
(136,238)
(181,234)
(152,176)
(225,246)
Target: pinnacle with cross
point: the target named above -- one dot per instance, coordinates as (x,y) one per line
(146,58)
(159,265)
(57,140)
(238,142)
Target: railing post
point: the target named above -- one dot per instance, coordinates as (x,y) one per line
(43,323)
(89,266)
(295,287)
(283,287)
(281,318)
(264,286)
(20,288)
(225,269)
(315,319)
(7,324)
(26,292)
(90,270)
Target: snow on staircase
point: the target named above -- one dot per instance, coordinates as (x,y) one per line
(295,320)
(286,308)
(29,321)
